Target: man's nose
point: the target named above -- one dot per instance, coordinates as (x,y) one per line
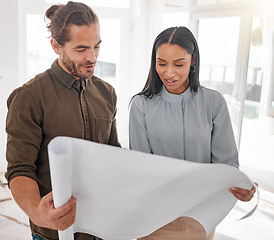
(91,56)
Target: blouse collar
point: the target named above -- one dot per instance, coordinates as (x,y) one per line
(176,98)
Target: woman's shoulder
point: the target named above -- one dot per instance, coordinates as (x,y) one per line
(138,101)
(143,102)
(213,100)
(210,94)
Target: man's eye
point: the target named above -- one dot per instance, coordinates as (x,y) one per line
(179,65)
(80,50)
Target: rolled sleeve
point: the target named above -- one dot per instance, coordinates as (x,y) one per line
(23,126)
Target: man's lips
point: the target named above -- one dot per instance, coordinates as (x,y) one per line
(89,67)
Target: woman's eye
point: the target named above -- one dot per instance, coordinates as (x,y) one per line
(161,64)
(179,65)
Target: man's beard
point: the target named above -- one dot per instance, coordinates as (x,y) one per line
(75,69)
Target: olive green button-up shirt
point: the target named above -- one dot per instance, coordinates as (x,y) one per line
(55,103)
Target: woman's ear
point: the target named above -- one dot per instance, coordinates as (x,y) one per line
(55,46)
(193,57)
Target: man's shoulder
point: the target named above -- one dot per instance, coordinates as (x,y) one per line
(37,80)
(29,89)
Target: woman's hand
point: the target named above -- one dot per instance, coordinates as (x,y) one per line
(243,194)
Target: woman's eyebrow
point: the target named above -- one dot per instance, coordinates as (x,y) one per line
(180,59)
(160,59)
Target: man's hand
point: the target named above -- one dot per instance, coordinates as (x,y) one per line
(60,218)
(243,194)
(25,192)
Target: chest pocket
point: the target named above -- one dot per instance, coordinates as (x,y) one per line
(102,129)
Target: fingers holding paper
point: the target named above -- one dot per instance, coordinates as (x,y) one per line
(243,194)
(57,218)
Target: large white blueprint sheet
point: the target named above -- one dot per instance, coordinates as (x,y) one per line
(124,194)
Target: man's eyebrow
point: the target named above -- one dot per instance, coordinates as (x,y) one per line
(84,46)
(81,46)
(98,43)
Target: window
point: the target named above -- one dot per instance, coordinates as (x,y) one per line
(174,19)
(257,133)
(98,3)
(218,43)
(254,74)
(40,54)
(108,60)
(206,2)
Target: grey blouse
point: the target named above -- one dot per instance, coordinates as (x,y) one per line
(194,126)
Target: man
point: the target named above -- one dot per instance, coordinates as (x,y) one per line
(65,100)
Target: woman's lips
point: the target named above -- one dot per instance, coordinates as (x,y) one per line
(170,82)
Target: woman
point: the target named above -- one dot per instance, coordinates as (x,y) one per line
(176,117)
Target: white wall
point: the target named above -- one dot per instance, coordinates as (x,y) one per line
(9,65)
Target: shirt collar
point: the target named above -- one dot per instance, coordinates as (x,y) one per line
(176,98)
(67,79)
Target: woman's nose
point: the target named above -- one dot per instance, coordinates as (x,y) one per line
(169,73)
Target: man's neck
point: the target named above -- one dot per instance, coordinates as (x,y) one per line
(60,63)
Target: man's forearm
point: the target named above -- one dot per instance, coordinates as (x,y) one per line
(41,210)
(25,192)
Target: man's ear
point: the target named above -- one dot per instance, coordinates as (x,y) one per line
(55,45)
